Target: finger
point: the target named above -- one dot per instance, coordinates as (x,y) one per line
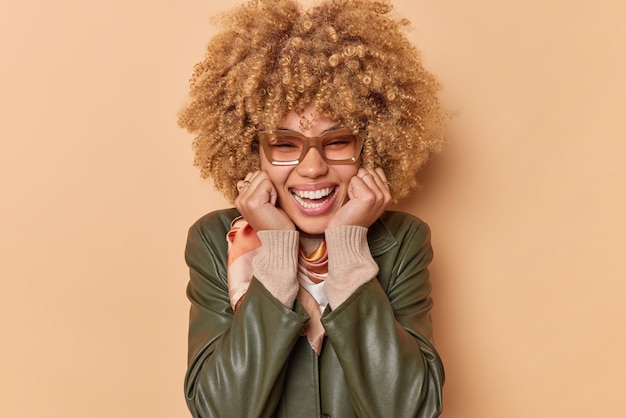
(256,178)
(260,189)
(246,183)
(376,180)
(372,179)
(243,185)
(381,181)
(367,189)
(364,174)
(384,184)
(381,174)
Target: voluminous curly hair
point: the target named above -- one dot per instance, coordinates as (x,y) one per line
(350,59)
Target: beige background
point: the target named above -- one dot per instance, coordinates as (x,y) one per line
(526,205)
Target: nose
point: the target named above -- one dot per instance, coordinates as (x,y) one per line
(312,165)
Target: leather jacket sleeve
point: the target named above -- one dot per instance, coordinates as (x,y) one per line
(234,369)
(382,337)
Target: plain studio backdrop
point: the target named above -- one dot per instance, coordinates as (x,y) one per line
(526,205)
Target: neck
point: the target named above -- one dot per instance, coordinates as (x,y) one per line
(310,243)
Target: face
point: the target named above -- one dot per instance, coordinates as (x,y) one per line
(311,192)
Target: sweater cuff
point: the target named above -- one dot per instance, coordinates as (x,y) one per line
(276,264)
(350,263)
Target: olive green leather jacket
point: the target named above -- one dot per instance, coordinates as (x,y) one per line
(377,359)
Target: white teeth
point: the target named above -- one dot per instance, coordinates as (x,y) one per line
(300,195)
(313,194)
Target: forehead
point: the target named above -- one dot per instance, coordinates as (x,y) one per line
(308,122)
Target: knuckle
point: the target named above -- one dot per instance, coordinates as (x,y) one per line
(369,197)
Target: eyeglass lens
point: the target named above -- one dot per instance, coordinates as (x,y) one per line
(284,146)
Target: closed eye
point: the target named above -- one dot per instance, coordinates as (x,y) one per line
(284,145)
(339,142)
(287,143)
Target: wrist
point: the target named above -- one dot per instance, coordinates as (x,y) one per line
(276,265)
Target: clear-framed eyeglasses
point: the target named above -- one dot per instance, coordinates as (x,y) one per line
(285,147)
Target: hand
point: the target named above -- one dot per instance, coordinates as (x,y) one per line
(257,203)
(369,197)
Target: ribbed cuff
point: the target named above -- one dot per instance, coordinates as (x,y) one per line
(350,263)
(276,264)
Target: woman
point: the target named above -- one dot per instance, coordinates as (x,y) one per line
(308,298)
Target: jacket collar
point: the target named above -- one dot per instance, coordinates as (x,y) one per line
(380,238)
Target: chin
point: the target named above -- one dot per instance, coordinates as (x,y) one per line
(311,230)
(312,226)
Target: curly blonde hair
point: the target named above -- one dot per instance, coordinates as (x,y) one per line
(350,59)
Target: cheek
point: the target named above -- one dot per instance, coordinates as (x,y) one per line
(278,174)
(346,172)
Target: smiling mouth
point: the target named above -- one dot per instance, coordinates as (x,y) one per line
(313,199)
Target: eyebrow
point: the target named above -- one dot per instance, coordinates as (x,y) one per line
(332,128)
